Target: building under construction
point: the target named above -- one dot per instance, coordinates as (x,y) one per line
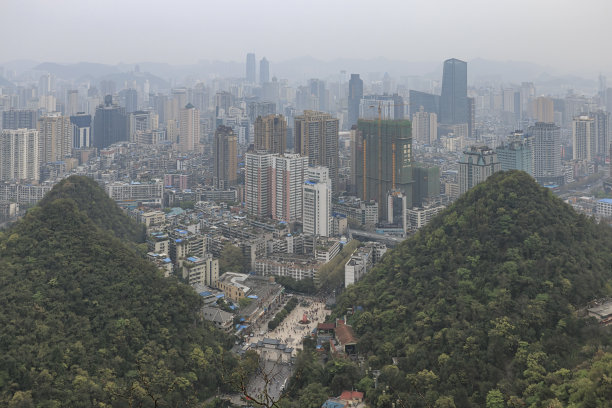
(384,155)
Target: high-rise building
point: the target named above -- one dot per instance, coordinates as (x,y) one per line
(584,138)
(316,136)
(189,128)
(517,153)
(264,71)
(429,102)
(271,133)
(260,108)
(141,122)
(547,153)
(425,127)
(131,100)
(288,172)
(471,125)
(19,119)
(316,218)
(453,101)
(82,130)
(56,133)
(110,124)
(354,97)
(19,155)
(250,68)
(602,130)
(72,102)
(391,107)
(226,160)
(257,183)
(543,110)
(384,156)
(477,164)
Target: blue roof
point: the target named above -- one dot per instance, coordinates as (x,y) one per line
(205,293)
(220,295)
(167,260)
(178,240)
(252,297)
(193,259)
(606,200)
(312,183)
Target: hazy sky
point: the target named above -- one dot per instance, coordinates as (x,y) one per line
(185,31)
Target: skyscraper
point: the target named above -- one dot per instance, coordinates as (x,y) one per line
(226,161)
(288,172)
(477,164)
(602,128)
(384,156)
(250,68)
(429,102)
(453,101)
(264,71)
(543,110)
(56,133)
(354,97)
(316,217)
(72,102)
(316,136)
(425,127)
(82,130)
(271,133)
(257,183)
(547,153)
(19,119)
(19,155)
(584,138)
(110,124)
(189,128)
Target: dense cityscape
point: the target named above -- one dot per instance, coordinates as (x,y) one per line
(350,235)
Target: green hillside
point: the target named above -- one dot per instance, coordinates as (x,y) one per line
(479,308)
(86,322)
(103,211)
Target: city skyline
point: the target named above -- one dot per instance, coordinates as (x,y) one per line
(498,31)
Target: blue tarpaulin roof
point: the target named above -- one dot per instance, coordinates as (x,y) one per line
(252,296)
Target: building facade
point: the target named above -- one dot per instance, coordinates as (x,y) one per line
(478,164)
(226,160)
(19,155)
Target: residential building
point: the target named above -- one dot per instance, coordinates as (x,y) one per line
(19,119)
(19,155)
(477,164)
(425,127)
(316,136)
(82,130)
(584,138)
(135,194)
(257,183)
(547,153)
(189,129)
(56,134)
(316,218)
(288,174)
(517,153)
(226,160)
(203,270)
(264,71)
(271,133)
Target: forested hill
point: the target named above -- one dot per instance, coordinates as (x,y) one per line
(96,204)
(85,321)
(479,308)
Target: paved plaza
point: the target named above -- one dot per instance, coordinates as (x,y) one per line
(291,331)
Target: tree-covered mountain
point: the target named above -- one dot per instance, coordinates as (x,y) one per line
(91,199)
(85,321)
(480,307)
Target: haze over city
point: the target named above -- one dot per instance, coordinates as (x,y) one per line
(556,34)
(305,204)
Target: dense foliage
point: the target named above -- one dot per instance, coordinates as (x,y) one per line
(85,321)
(480,306)
(92,200)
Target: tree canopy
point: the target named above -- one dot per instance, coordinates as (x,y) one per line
(479,308)
(86,321)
